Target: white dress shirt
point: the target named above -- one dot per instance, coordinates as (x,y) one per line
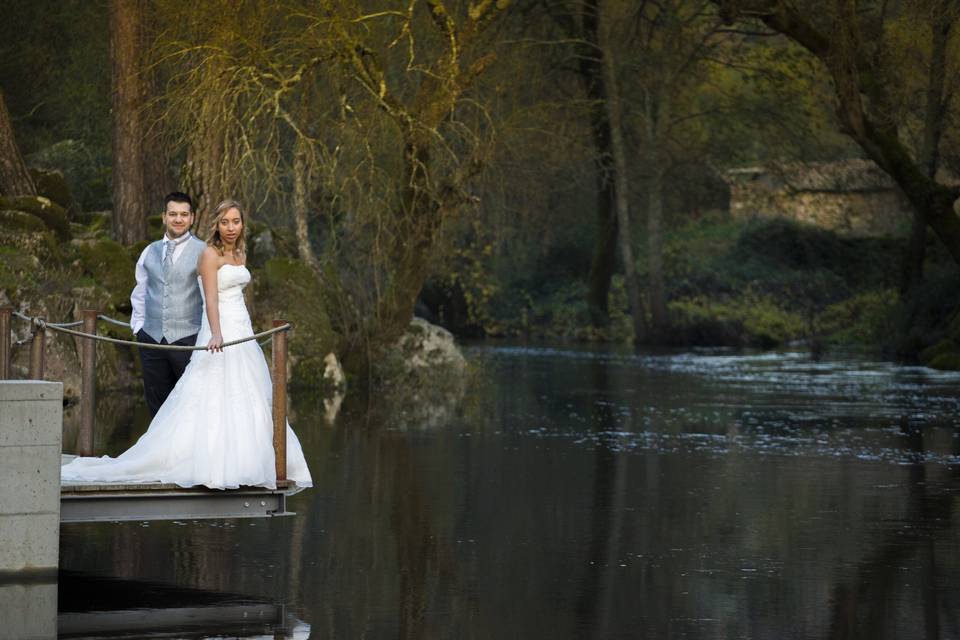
(138,297)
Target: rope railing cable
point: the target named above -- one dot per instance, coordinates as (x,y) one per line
(119,323)
(40,322)
(44,323)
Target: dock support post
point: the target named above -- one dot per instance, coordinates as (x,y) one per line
(38,348)
(5,341)
(280,400)
(88,389)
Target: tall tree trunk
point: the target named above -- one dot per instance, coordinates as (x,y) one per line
(15,180)
(613,109)
(603,264)
(204,166)
(129,100)
(302,188)
(930,149)
(158,179)
(204,172)
(656,116)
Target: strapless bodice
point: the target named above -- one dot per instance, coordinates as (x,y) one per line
(231,279)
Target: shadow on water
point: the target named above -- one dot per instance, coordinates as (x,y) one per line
(577,494)
(97,607)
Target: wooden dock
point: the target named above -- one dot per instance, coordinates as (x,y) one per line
(113,502)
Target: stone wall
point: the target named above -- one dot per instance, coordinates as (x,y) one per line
(851,197)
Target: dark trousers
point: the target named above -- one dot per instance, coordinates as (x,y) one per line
(162,368)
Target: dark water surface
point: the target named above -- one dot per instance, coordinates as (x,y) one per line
(578,494)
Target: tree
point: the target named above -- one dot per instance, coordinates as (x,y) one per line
(129,100)
(372,109)
(15,180)
(940,19)
(845,52)
(581,26)
(614,108)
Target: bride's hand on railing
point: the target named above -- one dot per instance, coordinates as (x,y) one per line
(216,343)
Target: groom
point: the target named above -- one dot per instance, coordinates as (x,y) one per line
(167,306)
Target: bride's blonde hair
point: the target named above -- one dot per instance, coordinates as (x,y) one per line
(213,237)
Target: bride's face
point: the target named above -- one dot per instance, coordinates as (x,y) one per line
(230,225)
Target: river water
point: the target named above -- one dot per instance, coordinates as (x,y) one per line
(573,493)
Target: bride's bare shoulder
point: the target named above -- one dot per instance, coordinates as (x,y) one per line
(209,259)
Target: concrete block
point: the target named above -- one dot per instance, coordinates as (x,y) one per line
(25,423)
(31,412)
(30,542)
(20,390)
(31,427)
(28,610)
(30,479)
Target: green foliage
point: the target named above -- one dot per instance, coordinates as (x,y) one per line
(54,69)
(86,171)
(746,319)
(18,268)
(111,266)
(866,318)
(759,283)
(290,290)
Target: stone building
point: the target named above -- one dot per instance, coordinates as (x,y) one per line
(851,197)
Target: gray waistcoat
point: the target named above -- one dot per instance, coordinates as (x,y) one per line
(173,307)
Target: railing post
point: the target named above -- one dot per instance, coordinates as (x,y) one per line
(5,341)
(38,349)
(88,388)
(280,400)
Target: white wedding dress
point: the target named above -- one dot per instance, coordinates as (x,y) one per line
(216,426)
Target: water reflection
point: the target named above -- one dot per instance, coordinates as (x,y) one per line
(602,495)
(97,607)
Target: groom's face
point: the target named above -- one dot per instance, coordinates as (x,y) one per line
(178,218)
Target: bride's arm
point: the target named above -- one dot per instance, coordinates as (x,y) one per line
(207,268)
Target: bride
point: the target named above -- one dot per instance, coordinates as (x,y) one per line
(216,427)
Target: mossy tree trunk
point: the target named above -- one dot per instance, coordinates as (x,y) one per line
(590,65)
(933,124)
(302,190)
(157,174)
(15,180)
(618,147)
(204,169)
(129,102)
(655,118)
(844,56)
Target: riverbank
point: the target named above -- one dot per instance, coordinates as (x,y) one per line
(756,283)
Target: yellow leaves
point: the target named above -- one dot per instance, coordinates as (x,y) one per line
(477,11)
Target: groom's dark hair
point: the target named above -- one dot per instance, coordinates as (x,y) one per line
(177,196)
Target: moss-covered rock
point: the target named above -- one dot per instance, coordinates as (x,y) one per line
(52,214)
(26,233)
(87,173)
(51,184)
(111,266)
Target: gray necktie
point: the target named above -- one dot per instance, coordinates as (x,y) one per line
(168,258)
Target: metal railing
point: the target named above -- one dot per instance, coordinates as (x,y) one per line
(88,362)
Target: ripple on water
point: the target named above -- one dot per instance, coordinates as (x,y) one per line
(771,404)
